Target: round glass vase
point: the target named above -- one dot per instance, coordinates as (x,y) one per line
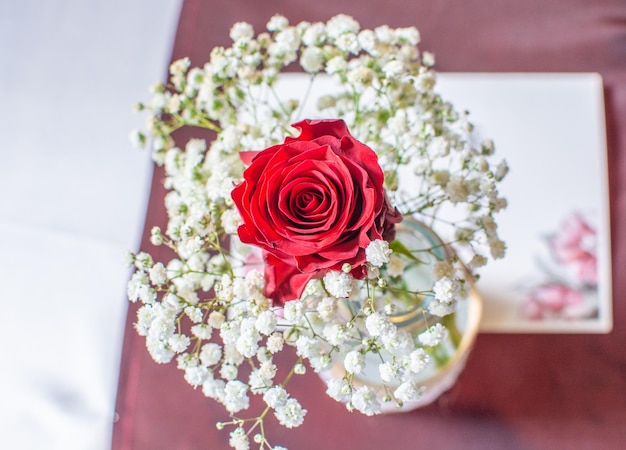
(448,359)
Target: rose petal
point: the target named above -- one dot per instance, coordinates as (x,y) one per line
(283,282)
(312,129)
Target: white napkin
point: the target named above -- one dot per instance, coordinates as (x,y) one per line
(72,202)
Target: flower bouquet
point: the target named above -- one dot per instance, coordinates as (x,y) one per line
(351,237)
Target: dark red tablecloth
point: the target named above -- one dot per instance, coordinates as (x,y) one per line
(518,391)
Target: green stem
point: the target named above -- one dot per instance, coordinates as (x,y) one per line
(453,330)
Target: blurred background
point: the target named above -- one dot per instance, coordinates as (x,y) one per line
(72,203)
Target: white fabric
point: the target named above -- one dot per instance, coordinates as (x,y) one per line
(72,202)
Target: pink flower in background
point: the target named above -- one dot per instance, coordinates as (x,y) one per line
(575,247)
(569,281)
(554,300)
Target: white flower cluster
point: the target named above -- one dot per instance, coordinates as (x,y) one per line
(205,307)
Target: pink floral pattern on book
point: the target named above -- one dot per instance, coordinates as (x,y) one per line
(568,288)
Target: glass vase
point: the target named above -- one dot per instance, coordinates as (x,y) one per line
(448,358)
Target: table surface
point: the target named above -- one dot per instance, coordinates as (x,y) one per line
(517,391)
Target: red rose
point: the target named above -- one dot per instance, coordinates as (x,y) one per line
(312,204)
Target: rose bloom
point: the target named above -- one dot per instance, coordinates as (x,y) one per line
(313,203)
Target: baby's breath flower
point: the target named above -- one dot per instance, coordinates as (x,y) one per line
(137,139)
(266,322)
(277,23)
(384,34)
(457,189)
(180,66)
(293,311)
(367,41)
(348,43)
(428,59)
(290,414)
(236,396)
(307,346)
(361,77)
(393,69)
(312,59)
(194,313)
(247,344)
(410,35)
(388,371)
(147,294)
(275,397)
(327,308)
(145,316)
(501,170)
(228,372)
(156,238)
(159,350)
(354,362)
(433,335)
(342,24)
(158,274)
(418,360)
(338,389)
(275,342)
(196,375)
(334,65)
(396,265)
(377,324)
(377,252)
(241,31)
(268,370)
(497,248)
(210,354)
(487,147)
(446,289)
(178,342)
(216,319)
(173,302)
(257,382)
(239,439)
(464,234)
(231,220)
(477,261)
(162,326)
(338,284)
(440,308)
(409,391)
(315,34)
(365,400)
(214,388)
(143,261)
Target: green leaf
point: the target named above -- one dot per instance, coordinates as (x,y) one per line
(398,247)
